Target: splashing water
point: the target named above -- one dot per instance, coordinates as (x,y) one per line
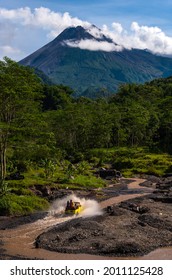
(90,206)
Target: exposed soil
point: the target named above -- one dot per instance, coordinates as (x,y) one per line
(138,221)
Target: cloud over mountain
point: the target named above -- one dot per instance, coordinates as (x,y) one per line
(94,45)
(141,37)
(16,23)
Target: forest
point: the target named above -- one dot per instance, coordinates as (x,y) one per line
(48,137)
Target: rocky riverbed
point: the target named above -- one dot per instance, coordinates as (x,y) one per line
(130,227)
(126,231)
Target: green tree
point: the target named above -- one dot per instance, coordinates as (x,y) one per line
(70,126)
(101,125)
(56,97)
(165,129)
(19,103)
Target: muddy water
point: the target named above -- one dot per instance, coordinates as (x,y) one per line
(20,240)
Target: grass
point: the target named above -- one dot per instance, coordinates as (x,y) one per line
(88,182)
(135,160)
(18,199)
(12,204)
(79,176)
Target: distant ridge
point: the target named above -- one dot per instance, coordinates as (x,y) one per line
(84,70)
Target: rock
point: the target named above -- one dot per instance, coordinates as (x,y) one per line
(43,189)
(77,237)
(164,184)
(141,224)
(15,176)
(135,207)
(125,249)
(110,209)
(57,238)
(156,222)
(37,244)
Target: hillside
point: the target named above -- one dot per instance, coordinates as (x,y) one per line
(87,71)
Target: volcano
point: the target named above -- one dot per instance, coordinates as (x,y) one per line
(74,59)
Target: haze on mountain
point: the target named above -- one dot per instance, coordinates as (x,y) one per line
(93,65)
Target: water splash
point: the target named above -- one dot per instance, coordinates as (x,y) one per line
(90,206)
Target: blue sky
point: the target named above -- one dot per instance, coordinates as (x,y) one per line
(23,31)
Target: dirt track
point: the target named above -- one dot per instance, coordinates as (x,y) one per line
(134,185)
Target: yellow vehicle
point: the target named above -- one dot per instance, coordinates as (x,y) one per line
(74,208)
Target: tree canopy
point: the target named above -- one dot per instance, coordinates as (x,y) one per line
(39,121)
(20,94)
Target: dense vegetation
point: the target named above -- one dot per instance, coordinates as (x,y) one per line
(54,139)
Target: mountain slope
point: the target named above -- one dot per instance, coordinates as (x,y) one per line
(83,69)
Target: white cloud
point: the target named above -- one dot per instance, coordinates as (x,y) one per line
(24,15)
(94,45)
(141,37)
(9,51)
(19,26)
(117,27)
(16,25)
(42,18)
(152,38)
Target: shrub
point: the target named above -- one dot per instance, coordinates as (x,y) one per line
(122,164)
(135,160)
(88,181)
(12,204)
(153,171)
